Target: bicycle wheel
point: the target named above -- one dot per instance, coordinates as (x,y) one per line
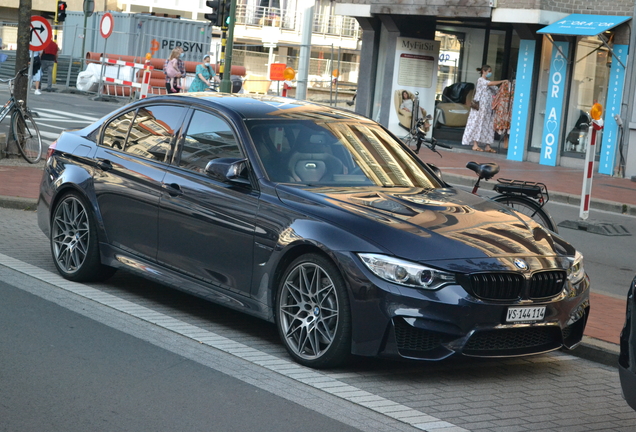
(27,136)
(529,208)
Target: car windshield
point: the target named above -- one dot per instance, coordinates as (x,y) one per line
(335,153)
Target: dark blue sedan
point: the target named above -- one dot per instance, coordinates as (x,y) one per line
(314,218)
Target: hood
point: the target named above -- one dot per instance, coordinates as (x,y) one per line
(425,224)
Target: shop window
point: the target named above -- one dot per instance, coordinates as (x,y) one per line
(542,92)
(588,85)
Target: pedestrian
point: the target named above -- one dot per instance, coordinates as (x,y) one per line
(204,76)
(49,58)
(479,127)
(37,72)
(177,55)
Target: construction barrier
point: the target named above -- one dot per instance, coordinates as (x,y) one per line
(157,79)
(124,88)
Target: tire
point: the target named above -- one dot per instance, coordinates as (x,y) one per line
(529,208)
(74,242)
(27,135)
(312,312)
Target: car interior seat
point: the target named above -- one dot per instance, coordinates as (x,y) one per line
(311,161)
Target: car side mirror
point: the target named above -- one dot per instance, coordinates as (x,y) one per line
(436,171)
(228,170)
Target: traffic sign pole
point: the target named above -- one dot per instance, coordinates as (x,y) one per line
(226,83)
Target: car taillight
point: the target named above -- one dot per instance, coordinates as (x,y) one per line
(51,149)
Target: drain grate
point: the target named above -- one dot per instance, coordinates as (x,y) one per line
(597,227)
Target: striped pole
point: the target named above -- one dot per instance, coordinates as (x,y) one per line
(586,193)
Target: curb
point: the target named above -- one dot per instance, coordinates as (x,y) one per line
(18,203)
(560,197)
(598,351)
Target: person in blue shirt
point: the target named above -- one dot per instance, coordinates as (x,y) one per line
(204,76)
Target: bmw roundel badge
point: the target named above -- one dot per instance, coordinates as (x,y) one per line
(521,264)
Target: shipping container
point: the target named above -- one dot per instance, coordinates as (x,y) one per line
(136,35)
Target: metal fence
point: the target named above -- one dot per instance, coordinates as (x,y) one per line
(326,24)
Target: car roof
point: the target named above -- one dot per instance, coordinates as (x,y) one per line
(251,106)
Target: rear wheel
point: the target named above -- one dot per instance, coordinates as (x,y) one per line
(74,242)
(529,208)
(27,136)
(313,314)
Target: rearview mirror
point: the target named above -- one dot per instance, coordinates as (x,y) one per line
(228,170)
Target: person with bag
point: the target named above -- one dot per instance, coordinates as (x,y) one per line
(479,127)
(203,77)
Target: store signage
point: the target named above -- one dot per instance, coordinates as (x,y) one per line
(415,75)
(554,104)
(583,25)
(521,102)
(612,108)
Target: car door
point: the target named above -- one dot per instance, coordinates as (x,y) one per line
(206,227)
(131,160)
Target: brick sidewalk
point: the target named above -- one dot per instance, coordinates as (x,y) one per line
(607,313)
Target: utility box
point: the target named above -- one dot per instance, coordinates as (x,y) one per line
(136,35)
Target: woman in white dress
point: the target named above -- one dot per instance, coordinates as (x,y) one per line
(479,127)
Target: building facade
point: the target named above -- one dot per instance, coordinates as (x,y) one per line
(558,74)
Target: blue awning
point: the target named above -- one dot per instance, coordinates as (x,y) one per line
(584,25)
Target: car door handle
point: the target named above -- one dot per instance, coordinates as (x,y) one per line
(104,164)
(173,189)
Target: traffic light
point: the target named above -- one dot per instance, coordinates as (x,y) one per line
(214,16)
(61,11)
(225,7)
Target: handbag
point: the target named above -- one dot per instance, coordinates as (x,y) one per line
(474,105)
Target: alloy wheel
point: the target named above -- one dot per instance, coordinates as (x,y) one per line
(309,311)
(70,234)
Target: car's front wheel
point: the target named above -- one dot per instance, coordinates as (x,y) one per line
(74,241)
(313,314)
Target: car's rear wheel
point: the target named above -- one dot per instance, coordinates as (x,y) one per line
(74,241)
(313,314)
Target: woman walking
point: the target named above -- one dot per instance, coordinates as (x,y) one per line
(204,76)
(479,127)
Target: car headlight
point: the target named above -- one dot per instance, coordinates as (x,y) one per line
(576,271)
(405,272)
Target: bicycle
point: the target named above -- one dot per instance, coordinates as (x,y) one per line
(419,126)
(23,128)
(528,198)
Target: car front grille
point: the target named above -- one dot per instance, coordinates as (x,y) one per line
(497,286)
(546,284)
(514,286)
(511,341)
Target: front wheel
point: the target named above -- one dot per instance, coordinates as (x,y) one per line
(27,136)
(313,314)
(529,208)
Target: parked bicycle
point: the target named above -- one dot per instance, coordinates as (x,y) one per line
(23,128)
(528,198)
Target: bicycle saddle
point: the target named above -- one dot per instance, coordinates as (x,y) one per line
(485,170)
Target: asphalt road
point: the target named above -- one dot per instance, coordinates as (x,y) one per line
(128,348)
(62,371)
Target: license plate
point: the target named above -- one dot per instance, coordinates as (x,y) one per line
(525,314)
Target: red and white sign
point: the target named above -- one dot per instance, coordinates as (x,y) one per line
(106,25)
(41,33)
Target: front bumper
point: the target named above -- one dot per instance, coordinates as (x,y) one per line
(433,325)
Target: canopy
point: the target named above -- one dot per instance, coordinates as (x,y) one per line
(584,25)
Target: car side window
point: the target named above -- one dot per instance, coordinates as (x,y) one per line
(153,131)
(117,130)
(208,137)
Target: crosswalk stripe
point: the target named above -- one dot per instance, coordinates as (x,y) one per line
(56,114)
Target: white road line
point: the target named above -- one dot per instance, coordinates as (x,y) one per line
(68,114)
(310,377)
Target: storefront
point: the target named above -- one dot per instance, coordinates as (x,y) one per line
(580,61)
(560,64)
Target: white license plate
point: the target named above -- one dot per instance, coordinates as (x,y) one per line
(525,314)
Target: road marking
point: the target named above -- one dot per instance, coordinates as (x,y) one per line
(55,114)
(318,380)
